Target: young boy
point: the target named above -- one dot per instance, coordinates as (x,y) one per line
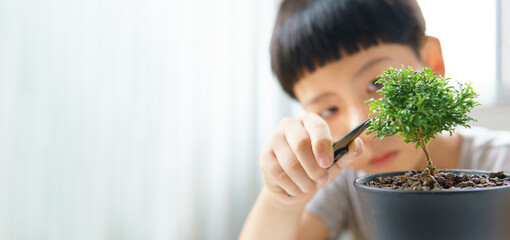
(327,55)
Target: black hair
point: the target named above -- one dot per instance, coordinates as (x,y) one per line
(311,33)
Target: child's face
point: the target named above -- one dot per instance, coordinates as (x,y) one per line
(338,92)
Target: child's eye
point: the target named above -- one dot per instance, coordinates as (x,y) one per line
(328,112)
(373,86)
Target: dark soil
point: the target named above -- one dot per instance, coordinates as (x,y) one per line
(414,180)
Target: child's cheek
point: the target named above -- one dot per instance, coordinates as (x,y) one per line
(361,163)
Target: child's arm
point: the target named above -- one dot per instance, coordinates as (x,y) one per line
(271,219)
(293,165)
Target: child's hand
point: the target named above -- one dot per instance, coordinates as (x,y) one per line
(295,164)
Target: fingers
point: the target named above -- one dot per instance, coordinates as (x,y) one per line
(320,137)
(299,155)
(280,180)
(291,165)
(300,142)
(355,150)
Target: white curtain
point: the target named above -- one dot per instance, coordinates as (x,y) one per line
(133,119)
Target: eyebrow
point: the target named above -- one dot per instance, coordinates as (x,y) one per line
(318,98)
(363,68)
(369,64)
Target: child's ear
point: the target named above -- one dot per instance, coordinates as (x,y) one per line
(431,55)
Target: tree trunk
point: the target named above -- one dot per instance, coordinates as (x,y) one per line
(430,166)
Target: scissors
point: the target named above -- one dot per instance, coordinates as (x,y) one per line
(340,147)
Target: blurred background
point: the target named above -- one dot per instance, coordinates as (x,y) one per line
(144,119)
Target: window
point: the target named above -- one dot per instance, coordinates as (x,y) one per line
(467,31)
(503,50)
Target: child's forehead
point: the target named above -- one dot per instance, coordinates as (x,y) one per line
(363,65)
(355,64)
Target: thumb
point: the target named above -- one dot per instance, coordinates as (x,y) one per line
(355,150)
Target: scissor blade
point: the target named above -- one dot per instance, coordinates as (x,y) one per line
(340,147)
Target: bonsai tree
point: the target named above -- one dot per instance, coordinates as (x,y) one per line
(417,105)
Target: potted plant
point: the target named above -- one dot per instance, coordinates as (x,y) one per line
(429,204)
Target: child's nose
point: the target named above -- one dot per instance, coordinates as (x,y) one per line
(357,114)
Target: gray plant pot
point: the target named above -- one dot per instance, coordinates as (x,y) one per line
(436,214)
